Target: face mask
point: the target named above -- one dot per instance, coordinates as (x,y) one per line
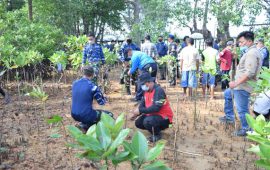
(243,49)
(160,40)
(144,87)
(129,41)
(92,42)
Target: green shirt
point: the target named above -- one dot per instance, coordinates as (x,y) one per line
(210,60)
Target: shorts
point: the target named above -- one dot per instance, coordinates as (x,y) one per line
(189,79)
(208,79)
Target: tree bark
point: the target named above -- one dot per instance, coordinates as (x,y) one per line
(30,10)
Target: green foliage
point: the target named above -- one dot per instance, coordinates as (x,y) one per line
(74,47)
(105,140)
(59,57)
(110,57)
(24,42)
(142,157)
(166,59)
(71,15)
(261,135)
(263,82)
(38,93)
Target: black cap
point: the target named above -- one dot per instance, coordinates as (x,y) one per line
(146,77)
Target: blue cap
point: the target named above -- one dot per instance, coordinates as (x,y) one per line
(171,36)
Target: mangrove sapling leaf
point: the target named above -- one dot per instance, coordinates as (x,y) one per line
(120,157)
(54,119)
(119,123)
(139,146)
(90,155)
(255,149)
(265,150)
(55,135)
(157,165)
(107,120)
(263,163)
(92,131)
(74,131)
(117,142)
(155,151)
(103,135)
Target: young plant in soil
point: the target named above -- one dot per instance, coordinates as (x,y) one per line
(105,144)
(260,135)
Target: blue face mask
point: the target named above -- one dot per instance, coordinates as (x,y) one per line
(144,87)
(243,49)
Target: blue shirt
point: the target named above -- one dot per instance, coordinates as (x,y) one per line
(124,47)
(162,49)
(183,45)
(84,91)
(265,57)
(139,60)
(93,53)
(216,46)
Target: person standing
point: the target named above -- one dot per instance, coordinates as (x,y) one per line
(125,77)
(93,54)
(247,70)
(184,43)
(84,91)
(264,52)
(226,57)
(209,67)
(189,64)
(144,63)
(172,50)
(154,112)
(162,50)
(149,48)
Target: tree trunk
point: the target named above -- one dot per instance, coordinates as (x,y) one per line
(30,10)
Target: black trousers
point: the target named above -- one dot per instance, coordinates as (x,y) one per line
(154,123)
(225,83)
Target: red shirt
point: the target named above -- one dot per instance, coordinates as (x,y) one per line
(226,57)
(165,110)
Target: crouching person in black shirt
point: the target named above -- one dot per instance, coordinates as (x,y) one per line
(154,112)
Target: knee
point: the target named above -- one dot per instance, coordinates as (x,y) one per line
(227,94)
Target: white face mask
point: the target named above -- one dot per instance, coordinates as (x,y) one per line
(92,42)
(144,87)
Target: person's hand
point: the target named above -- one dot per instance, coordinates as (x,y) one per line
(233,84)
(135,114)
(82,68)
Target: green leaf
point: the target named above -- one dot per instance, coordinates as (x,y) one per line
(92,131)
(256,138)
(103,135)
(265,150)
(89,143)
(120,157)
(155,151)
(55,135)
(119,123)
(74,131)
(157,165)
(54,119)
(263,163)
(139,146)
(107,120)
(118,141)
(90,155)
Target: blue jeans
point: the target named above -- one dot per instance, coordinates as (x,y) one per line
(241,99)
(189,79)
(208,79)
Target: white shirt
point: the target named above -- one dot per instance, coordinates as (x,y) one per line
(262,103)
(190,55)
(149,48)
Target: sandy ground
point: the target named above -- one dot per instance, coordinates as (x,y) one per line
(197,141)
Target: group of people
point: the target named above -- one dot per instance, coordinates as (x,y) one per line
(154,112)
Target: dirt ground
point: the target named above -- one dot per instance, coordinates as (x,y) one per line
(197,141)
